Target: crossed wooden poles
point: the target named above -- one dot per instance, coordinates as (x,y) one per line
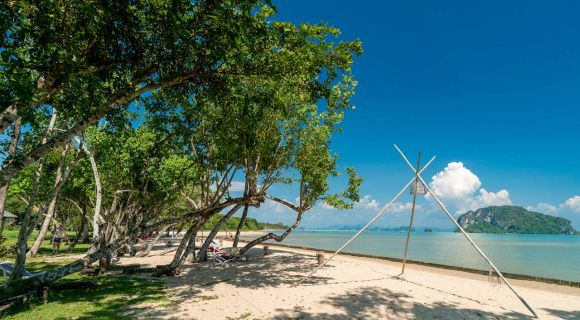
(418,179)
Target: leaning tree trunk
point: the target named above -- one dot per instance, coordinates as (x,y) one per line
(98,236)
(147,249)
(19,265)
(171,269)
(203,250)
(190,249)
(24,226)
(240,226)
(51,206)
(11,153)
(271,235)
(19,286)
(82,229)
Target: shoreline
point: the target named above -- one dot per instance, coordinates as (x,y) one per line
(348,287)
(515,276)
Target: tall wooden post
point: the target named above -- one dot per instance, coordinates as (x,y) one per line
(415,189)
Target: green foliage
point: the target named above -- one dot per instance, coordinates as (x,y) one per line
(513,219)
(250,224)
(217,90)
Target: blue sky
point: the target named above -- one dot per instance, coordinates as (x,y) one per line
(494,85)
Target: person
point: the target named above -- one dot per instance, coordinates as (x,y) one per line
(57,238)
(217,249)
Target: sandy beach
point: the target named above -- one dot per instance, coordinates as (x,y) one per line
(347,288)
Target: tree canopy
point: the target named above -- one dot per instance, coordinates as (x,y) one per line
(138,116)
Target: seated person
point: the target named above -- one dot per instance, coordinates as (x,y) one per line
(216,249)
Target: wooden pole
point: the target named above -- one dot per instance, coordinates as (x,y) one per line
(415,189)
(383,210)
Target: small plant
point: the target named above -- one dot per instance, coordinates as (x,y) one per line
(6,248)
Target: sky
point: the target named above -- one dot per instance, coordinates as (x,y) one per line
(492,88)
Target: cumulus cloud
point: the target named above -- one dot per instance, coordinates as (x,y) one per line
(367,202)
(543,208)
(237,186)
(573,203)
(460,187)
(326,206)
(275,206)
(485,198)
(570,205)
(401,207)
(455,181)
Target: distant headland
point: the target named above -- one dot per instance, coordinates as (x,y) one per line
(513,219)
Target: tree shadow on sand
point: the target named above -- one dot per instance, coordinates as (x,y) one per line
(258,272)
(568,315)
(382,303)
(368,301)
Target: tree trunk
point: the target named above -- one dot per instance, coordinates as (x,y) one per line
(98,236)
(150,246)
(203,250)
(170,269)
(19,286)
(240,226)
(270,235)
(82,229)
(11,152)
(190,247)
(51,206)
(19,265)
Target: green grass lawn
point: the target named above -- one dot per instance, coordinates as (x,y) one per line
(46,248)
(100,297)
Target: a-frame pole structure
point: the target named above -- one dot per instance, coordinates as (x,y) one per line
(415,190)
(444,208)
(418,178)
(383,210)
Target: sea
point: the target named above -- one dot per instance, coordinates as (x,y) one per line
(550,256)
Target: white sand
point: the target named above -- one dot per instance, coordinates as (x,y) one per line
(347,288)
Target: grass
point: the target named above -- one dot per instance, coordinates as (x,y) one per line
(101,297)
(46,248)
(39,262)
(107,297)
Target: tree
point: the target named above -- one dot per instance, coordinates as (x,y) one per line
(218,91)
(91,59)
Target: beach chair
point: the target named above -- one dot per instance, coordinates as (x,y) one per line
(7,268)
(217,259)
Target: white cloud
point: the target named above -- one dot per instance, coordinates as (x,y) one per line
(460,187)
(573,203)
(401,207)
(570,205)
(367,202)
(486,198)
(326,206)
(275,206)
(543,208)
(455,181)
(237,186)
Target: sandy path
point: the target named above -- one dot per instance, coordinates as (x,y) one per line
(348,288)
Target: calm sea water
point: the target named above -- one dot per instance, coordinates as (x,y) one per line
(553,256)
